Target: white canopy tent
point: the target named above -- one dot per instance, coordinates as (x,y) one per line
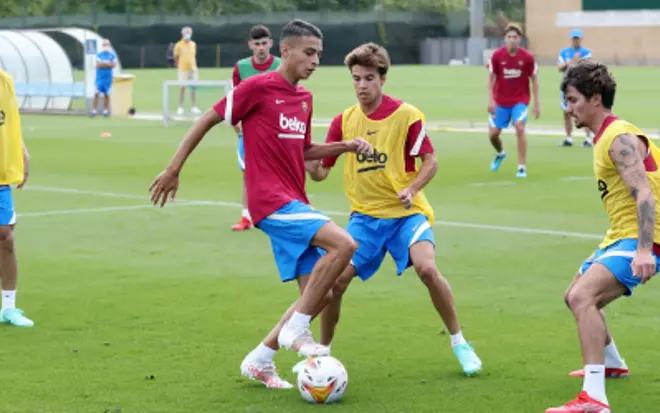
(42,70)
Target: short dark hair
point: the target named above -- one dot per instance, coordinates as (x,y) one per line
(513,27)
(590,78)
(259,32)
(369,55)
(300,28)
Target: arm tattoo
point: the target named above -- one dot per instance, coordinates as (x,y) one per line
(628,159)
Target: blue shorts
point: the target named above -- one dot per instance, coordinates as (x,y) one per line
(617,258)
(7,213)
(240,153)
(563,103)
(104,88)
(377,236)
(503,117)
(291,229)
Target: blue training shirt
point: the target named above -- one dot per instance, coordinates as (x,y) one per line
(104,74)
(566,54)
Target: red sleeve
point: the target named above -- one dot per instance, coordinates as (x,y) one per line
(418,142)
(236,76)
(335,134)
(532,67)
(239,102)
(308,131)
(492,64)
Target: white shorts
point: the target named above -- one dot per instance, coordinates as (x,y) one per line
(192,76)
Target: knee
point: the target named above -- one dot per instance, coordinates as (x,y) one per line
(347,248)
(493,134)
(520,128)
(7,238)
(576,299)
(427,272)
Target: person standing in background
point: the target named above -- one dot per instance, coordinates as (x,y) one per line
(185,59)
(106,61)
(569,56)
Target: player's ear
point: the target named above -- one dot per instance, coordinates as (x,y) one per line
(284,49)
(383,78)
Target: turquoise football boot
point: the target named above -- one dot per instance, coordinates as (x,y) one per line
(15,317)
(468,359)
(495,165)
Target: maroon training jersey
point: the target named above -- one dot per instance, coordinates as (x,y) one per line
(276,118)
(512,75)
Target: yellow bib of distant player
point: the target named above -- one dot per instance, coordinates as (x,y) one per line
(372,182)
(620,206)
(11,145)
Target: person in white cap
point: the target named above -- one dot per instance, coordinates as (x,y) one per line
(569,56)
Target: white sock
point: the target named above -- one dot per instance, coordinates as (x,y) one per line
(300,320)
(94,111)
(246,214)
(587,138)
(594,382)
(521,166)
(262,353)
(329,348)
(457,339)
(500,153)
(105,111)
(569,139)
(8,299)
(612,357)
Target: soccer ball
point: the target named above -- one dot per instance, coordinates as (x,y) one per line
(322,380)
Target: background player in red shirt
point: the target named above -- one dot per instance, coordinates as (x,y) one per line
(511,67)
(276,112)
(261,61)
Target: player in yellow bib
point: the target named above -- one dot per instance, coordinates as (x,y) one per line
(389,212)
(13,170)
(628,182)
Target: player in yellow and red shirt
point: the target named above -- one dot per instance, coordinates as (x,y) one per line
(511,68)
(625,164)
(389,212)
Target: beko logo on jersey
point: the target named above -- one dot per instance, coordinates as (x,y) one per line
(512,73)
(292,124)
(378,158)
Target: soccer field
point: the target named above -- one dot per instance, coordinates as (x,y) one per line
(140,309)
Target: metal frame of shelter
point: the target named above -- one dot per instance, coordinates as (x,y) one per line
(42,71)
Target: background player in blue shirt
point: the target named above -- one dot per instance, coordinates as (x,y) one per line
(569,56)
(105,63)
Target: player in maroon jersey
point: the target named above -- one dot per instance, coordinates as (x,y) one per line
(511,67)
(276,112)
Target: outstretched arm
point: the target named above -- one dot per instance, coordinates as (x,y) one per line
(628,154)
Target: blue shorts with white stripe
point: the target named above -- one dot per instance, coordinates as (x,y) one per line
(377,236)
(617,258)
(291,230)
(504,116)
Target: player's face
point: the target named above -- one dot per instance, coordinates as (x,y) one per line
(576,42)
(580,108)
(512,40)
(303,54)
(261,48)
(368,84)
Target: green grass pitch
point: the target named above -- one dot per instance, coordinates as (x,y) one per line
(140,309)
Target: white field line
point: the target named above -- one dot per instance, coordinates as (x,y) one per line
(99,209)
(180,202)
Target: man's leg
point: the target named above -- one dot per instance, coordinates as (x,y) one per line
(182,92)
(615,365)
(422,255)
(339,247)
(8,264)
(519,116)
(245,222)
(593,291)
(106,103)
(95,103)
(568,128)
(330,314)
(194,76)
(496,122)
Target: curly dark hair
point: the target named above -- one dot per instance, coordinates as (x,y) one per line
(591,78)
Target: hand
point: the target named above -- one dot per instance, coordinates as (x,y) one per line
(26,171)
(406,197)
(359,145)
(536,110)
(643,265)
(491,107)
(576,57)
(165,185)
(312,166)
